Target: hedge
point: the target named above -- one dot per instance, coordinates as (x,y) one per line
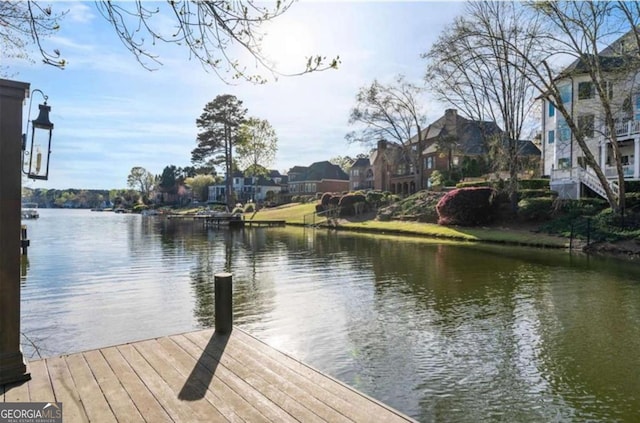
(466,206)
(533,184)
(536,209)
(347,202)
(535,193)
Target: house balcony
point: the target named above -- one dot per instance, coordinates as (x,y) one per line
(624,129)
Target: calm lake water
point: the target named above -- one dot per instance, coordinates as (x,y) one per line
(440,331)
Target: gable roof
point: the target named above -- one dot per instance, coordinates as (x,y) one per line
(361,162)
(321,170)
(619,54)
(470,135)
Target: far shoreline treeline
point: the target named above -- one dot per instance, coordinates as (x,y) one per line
(77,198)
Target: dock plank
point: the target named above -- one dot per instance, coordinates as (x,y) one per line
(17,393)
(40,388)
(227,396)
(114,392)
(176,381)
(194,377)
(267,407)
(95,404)
(66,390)
(358,404)
(156,385)
(262,379)
(146,403)
(295,387)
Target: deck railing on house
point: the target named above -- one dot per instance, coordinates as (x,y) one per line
(623,129)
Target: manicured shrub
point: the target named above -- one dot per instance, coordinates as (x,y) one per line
(347,203)
(295,198)
(334,200)
(466,206)
(249,208)
(238,210)
(632,186)
(583,207)
(536,209)
(632,200)
(374,197)
(324,200)
(319,208)
(533,183)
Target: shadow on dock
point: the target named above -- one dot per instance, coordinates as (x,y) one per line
(197,384)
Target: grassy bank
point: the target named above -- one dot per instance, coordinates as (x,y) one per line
(294,214)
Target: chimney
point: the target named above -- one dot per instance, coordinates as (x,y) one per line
(450,121)
(382,144)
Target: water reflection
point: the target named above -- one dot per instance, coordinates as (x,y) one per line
(441,331)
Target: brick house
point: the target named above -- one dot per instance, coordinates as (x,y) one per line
(361,175)
(318,177)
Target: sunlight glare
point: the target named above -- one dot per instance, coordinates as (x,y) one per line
(287,46)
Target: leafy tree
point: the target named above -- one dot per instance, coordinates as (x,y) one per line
(472,67)
(219,126)
(199,184)
(168,180)
(345,162)
(212,31)
(391,112)
(142,179)
(257,146)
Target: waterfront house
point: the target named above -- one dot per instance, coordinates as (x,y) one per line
(452,144)
(563,159)
(318,177)
(392,169)
(465,147)
(361,175)
(249,188)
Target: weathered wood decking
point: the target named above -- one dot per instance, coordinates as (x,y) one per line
(194,377)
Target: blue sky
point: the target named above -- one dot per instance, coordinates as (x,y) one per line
(111,114)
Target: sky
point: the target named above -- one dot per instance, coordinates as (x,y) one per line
(111,114)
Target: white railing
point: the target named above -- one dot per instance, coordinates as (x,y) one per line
(612,172)
(590,179)
(624,129)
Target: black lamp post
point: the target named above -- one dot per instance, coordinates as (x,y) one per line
(40,149)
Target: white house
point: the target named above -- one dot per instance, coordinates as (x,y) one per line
(562,157)
(253,188)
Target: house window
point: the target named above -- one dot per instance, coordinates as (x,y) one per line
(608,88)
(563,163)
(585,125)
(429,162)
(355,172)
(637,114)
(586,90)
(551,137)
(564,133)
(552,110)
(565,93)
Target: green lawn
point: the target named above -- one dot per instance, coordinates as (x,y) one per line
(294,214)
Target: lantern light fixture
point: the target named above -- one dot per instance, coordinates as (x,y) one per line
(36,158)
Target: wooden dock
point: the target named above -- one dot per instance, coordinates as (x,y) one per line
(194,377)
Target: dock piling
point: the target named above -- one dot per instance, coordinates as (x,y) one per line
(223,293)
